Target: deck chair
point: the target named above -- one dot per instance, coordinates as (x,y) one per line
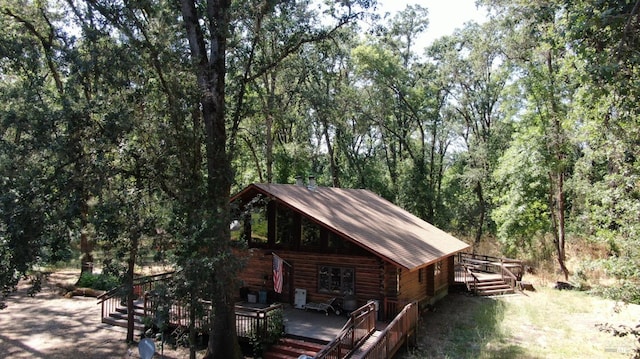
(330,304)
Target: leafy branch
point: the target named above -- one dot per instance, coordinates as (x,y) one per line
(622,331)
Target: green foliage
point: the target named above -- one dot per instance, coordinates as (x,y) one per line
(521,196)
(623,331)
(625,291)
(273,332)
(503,128)
(98,281)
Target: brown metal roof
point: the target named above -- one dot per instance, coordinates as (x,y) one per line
(368,220)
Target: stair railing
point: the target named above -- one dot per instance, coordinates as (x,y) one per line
(509,277)
(476,282)
(361,323)
(398,332)
(503,266)
(111,299)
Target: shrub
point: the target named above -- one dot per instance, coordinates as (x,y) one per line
(98,281)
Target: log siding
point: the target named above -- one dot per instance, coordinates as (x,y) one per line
(304,274)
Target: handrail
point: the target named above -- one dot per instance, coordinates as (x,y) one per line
(395,334)
(178,311)
(352,334)
(513,278)
(136,281)
(464,255)
(254,321)
(476,281)
(510,270)
(489,263)
(110,300)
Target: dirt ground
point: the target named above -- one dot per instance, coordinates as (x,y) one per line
(49,325)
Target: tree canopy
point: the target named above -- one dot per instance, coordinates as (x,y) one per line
(129,123)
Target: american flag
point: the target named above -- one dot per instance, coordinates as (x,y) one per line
(277,273)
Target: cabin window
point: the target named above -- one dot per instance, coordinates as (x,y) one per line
(438,269)
(337,244)
(310,234)
(258,220)
(285,228)
(336,280)
(420,275)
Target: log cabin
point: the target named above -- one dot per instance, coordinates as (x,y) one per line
(349,244)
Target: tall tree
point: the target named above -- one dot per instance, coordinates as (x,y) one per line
(478,75)
(208,29)
(404,103)
(605,36)
(69,86)
(536,44)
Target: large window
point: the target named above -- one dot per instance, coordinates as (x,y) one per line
(336,280)
(259,225)
(285,227)
(310,234)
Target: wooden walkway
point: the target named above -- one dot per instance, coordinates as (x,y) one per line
(362,350)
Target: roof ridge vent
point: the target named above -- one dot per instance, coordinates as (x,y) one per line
(312,184)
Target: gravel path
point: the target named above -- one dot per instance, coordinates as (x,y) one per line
(52,326)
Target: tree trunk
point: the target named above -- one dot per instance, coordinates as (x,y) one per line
(192,329)
(556,177)
(268,134)
(556,197)
(560,243)
(131,262)
(333,166)
(210,70)
(86,262)
(481,215)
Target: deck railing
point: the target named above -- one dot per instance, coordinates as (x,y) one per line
(470,279)
(361,323)
(249,321)
(255,322)
(511,270)
(492,264)
(509,277)
(399,331)
(176,313)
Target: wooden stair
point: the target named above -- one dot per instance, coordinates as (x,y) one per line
(119,316)
(490,286)
(290,348)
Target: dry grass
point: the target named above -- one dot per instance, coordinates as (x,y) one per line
(544,324)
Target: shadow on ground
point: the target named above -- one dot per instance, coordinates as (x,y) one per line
(464,326)
(51,326)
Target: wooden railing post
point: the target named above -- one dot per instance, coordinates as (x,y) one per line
(353,332)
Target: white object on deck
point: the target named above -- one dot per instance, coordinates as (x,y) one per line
(300,298)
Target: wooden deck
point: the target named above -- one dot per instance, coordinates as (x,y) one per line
(486,275)
(311,324)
